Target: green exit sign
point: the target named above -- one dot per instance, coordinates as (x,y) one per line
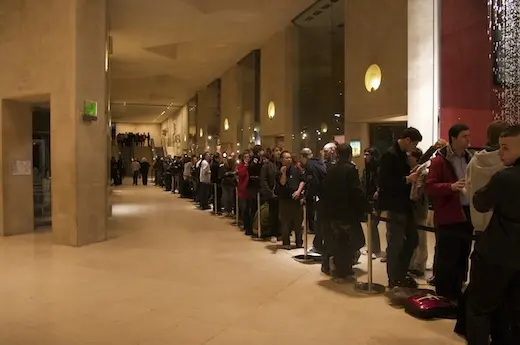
(90,110)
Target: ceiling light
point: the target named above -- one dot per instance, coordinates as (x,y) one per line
(210,137)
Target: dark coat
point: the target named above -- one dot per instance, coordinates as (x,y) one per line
(394,192)
(500,242)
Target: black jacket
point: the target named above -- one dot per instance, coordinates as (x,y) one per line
(394,192)
(295,175)
(315,171)
(215,167)
(500,242)
(254,169)
(343,198)
(268,180)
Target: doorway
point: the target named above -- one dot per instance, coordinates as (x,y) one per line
(383,135)
(41,167)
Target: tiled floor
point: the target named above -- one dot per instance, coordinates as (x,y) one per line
(172,275)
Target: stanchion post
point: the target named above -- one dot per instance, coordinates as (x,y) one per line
(369,287)
(370,268)
(215,198)
(305,232)
(236,207)
(259,220)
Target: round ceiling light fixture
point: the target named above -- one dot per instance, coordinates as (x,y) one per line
(226,124)
(373,78)
(271,110)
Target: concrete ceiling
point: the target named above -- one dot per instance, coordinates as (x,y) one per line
(166,51)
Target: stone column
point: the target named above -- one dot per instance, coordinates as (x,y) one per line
(16,187)
(423,69)
(66,68)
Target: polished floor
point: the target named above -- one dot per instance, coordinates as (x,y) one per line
(173,275)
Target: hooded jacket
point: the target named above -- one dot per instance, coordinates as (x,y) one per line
(479,171)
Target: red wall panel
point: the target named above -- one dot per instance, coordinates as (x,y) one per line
(467,94)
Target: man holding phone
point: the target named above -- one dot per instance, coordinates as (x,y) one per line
(445,185)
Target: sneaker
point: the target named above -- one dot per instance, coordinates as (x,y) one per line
(274,239)
(346,280)
(313,250)
(431,281)
(287,247)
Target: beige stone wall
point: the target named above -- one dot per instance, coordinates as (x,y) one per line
(375,33)
(230,108)
(53,50)
(279,80)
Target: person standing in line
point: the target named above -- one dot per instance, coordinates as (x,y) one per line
(216,180)
(481,168)
(315,171)
(495,262)
(243,193)
(445,185)
(145,167)
(135,170)
(395,181)
(369,183)
(289,189)
(421,207)
(227,178)
(268,175)
(205,182)
(344,206)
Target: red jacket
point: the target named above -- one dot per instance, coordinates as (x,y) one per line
(446,203)
(243,180)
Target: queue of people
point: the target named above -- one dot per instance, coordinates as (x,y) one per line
(130,139)
(463,192)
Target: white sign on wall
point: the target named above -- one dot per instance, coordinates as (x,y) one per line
(21,168)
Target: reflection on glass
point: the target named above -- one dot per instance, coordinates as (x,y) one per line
(320,101)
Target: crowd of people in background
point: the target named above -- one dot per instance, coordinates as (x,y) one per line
(457,191)
(129,139)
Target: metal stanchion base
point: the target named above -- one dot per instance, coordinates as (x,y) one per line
(309,259)
(369,289)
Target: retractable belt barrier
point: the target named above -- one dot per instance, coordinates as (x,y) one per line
(306,257)
(370,287)
(236,208)
(424,228)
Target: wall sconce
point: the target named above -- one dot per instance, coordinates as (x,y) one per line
(226,124)
(201,132)
(271,110)
(373,77)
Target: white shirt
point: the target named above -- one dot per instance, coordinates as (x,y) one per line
(205,172)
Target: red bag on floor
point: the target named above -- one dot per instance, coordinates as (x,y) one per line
(430,306)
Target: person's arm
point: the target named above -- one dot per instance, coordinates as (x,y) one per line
(435,186)
(300,185)
(264,185)
(488,196)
